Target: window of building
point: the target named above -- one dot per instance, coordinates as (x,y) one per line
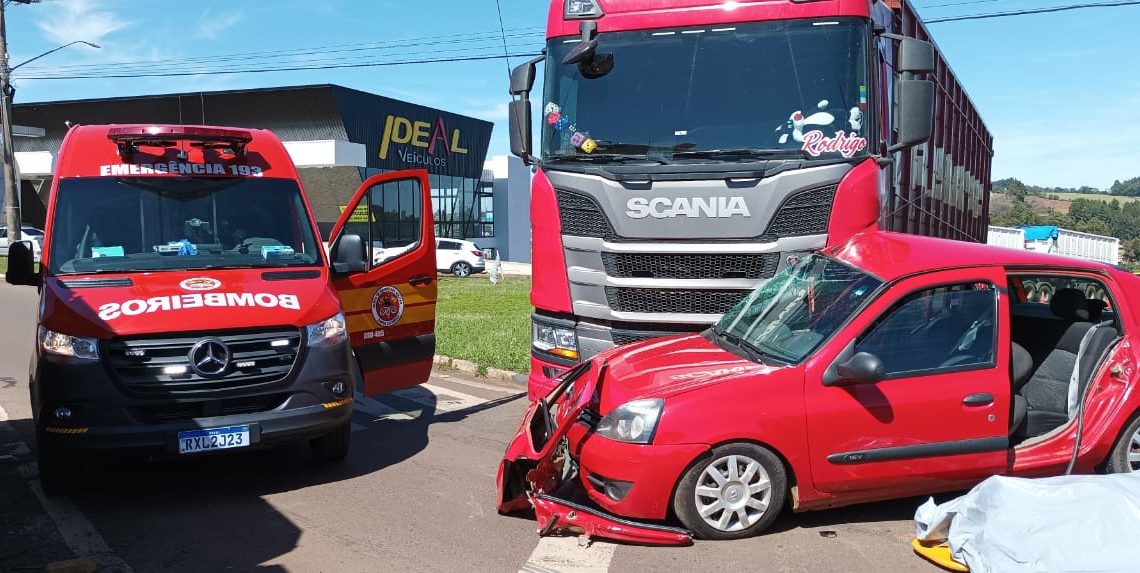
(935,329)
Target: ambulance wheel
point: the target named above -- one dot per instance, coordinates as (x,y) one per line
(1125,456)
(461,269)
(333,446)
(736,491)
(58,471)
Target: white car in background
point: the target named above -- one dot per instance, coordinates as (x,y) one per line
(458,257)
(32,234)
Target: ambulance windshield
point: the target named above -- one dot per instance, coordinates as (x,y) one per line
(176,223)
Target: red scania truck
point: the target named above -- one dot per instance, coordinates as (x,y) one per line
(691,149)
(187,304)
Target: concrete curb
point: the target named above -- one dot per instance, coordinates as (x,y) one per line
(468,367)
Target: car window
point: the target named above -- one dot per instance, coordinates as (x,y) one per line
(448,245)
(935,329)
(3,233)
(1040,289)
(389,216)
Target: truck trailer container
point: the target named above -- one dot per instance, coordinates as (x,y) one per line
(691,150)
(1053,239)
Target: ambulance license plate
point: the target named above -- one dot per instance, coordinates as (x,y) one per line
(194,441)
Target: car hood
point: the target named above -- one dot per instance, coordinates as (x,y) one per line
(670,366)
(105,306)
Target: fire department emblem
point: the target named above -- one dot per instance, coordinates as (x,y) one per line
(200,283)
(387,306)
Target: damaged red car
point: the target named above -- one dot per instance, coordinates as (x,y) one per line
(890,366)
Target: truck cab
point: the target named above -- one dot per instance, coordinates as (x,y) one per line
(188,304)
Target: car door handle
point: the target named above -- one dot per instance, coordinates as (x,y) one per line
(979,399)
(420,280)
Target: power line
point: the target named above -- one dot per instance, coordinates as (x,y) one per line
(296,68)
(958,4)
(503,32)
(1034,11)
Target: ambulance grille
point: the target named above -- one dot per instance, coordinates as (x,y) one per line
(696,301)
(152,366)
(683,266)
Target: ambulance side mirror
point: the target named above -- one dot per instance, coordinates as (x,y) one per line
(22,265)
(350,255)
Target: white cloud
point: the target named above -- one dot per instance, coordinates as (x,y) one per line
(69,20)
(210,25)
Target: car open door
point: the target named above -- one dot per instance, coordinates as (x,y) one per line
(383,265)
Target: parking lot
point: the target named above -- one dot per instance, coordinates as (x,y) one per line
(416,493)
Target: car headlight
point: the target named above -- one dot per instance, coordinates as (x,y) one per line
(633,422)
(555,340)
(328,332)
(70,346)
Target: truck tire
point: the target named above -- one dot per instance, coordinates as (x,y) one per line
(58,469)
(333,446)
(1125,455)
(736,491)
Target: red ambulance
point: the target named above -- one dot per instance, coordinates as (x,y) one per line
(189,305)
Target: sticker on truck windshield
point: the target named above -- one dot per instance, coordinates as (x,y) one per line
(135,307)
(816,144)
(180,168)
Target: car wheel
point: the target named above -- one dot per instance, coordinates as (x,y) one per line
(1125,456)
(735,492)
(58,470)
(461,269)
(333,446)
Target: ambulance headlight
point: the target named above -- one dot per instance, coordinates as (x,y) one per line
(633,422)
(76,347)
(328,332)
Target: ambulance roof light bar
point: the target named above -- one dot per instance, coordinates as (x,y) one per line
(129,139)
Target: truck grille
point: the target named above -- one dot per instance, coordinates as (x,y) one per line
(806,213)
(680,266)
(151,366)
(697,301)
(582,217)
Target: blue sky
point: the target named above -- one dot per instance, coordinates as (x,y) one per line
(1061,92)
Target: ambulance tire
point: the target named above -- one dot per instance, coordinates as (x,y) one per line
(333,446)
(58,471)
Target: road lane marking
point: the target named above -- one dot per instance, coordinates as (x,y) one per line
(77,532)
(565,555)
(483,386)
(381,410)
(450,400)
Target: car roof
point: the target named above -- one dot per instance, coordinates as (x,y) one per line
(890,256)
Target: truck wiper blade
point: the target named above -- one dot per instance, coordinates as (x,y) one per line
(611,158)
(741,153)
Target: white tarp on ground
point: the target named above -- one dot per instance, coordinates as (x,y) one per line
(1069,523)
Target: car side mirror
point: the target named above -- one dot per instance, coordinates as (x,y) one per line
(862,368)
(350,255)
(22,265)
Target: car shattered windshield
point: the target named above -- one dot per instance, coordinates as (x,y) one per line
(792,313)
(753,91)
(171,223)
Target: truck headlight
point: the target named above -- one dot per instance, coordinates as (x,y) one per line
(328,332)
(555,340)
(633,422)
(70,346)
(581,9)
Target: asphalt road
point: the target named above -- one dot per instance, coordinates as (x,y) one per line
(416,494)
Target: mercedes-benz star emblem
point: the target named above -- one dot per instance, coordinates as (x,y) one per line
(209,357)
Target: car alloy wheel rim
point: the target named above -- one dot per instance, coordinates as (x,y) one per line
(462,270)
(1134,453)
(733,493)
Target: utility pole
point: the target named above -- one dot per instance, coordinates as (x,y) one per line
(7,162)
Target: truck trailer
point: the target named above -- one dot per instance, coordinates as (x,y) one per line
(691,150)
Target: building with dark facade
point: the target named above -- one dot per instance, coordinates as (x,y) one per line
(336,136)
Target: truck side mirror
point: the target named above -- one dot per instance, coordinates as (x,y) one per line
(522,80)
(915,56)
(350,255)
(916,113)
(21,265)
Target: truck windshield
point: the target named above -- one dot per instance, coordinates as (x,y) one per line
(792,313)
(104,224)
(793,88)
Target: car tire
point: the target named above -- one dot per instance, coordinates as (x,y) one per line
(333,446)
(1125,455)
(461,269)
(744,497)
(58,469)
